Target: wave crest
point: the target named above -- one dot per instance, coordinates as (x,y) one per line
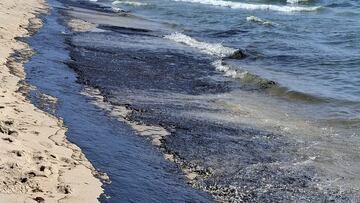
(216,49)
(254,81)
(131,3)
(249,6)
(243,75)
(260,21)
(295,1)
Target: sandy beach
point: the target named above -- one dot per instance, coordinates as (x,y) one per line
(37,163)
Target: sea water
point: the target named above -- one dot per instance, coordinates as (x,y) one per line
(309,49)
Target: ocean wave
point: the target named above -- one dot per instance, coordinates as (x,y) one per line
(216,49)
(259,20)
(116,10)
(295,1)
(249,6)
(253,81)
(131,3)
(243,75)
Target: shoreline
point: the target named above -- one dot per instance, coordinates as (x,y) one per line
(37,162)
(244,145)
(137,169)
(189,117)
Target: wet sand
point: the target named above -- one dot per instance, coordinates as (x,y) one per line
(146,80)
(137,170)
(37,163)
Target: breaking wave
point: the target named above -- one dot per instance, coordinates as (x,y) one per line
(295,1)
(249,6)
(243,75)
(253,81)
(131,3)
(216,49)
(260,21)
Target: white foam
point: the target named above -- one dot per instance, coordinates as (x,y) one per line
(259,20)
(132,3)
(93,0)
(295,1)
(249,6)
(228,72)
(117,10)
(216,49)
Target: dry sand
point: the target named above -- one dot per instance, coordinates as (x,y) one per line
(37,163)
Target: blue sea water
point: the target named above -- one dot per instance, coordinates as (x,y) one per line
(310,48)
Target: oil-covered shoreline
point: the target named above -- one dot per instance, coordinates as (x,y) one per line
(120,86)
(136,170)
(167,85)
(38,163)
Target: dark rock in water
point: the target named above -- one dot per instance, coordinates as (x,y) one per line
(237,55)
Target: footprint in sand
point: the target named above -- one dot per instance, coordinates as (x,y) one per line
(18,153)
(8,139)
(65,189)
(6,130)
(39,199)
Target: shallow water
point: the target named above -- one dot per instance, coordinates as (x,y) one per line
(309,48)
(137,170)
(240,145)
(224,125)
